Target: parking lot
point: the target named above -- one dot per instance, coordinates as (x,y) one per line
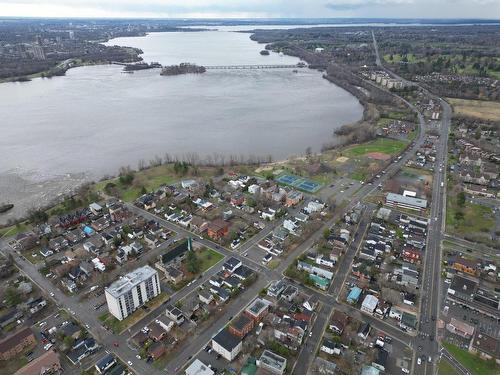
(481,322)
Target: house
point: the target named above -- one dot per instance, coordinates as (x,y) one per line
(47,363)
(231,264)
(257,309)
(460,328)
(380,362)
(488,347)
(243,272)
(198,224)
(309,268)
(156,332)
(319,281)
(205,296)
(364,330)
(354,295)
(16,343)
(156,350)
(217,229)
(330,347)
(241,325)
(268,214)
(105,363)
(226,344)
(466,266)
(338,322)
(273,363)
(71,329)
(95,208)
(369,304)
(276,288)
(10,317)
(291,226)
(293,198)
(324,261)
(174,256)
(197,367)
(173,274)
(175,314)
(382,309)
(408,321)
(151,240)
(290,293)
(323,366)
(237,199)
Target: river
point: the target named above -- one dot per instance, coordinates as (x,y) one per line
(57,132)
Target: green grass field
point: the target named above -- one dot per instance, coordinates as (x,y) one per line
(383,145)
(14,229)
(472,362)
(476,219)
(208,258)
(445,368)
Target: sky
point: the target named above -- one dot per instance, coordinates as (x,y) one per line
(252,8)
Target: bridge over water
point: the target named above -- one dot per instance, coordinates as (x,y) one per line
(282,66)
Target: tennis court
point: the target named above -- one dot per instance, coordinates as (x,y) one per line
(299,183)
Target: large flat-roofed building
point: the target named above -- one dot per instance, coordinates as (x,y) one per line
(405,201)
(15,344)
(132,291)
(272,362)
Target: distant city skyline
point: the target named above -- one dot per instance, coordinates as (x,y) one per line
(252,8)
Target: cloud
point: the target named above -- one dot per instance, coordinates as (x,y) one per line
(343,5)
(252,8)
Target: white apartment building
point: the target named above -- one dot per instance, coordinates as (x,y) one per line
(132,291)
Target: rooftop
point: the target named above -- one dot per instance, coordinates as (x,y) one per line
(130,280)
(227,340)
(411,201)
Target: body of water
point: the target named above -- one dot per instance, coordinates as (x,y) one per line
(96,118)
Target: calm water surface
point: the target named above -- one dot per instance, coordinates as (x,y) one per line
(96,119)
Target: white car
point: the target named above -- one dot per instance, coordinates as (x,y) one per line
(129,363)
(405,370)
(47,346)
(138,356)
(419,361)
(52,294)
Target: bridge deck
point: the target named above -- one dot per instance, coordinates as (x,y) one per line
(282,66)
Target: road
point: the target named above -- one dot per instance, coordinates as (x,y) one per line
(431,284)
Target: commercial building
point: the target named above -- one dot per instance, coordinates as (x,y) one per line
(405,201)
(257,309)
(15,344)
(47,363)
(132,291)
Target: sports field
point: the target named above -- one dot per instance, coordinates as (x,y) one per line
(300,183)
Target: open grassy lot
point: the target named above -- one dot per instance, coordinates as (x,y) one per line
(208,258)
(118,326)
(383,145)
(474,219)
(14,230)
(445,368)
(476,108)
(11,366)
(472,362)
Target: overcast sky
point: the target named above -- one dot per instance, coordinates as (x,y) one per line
(252,8)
